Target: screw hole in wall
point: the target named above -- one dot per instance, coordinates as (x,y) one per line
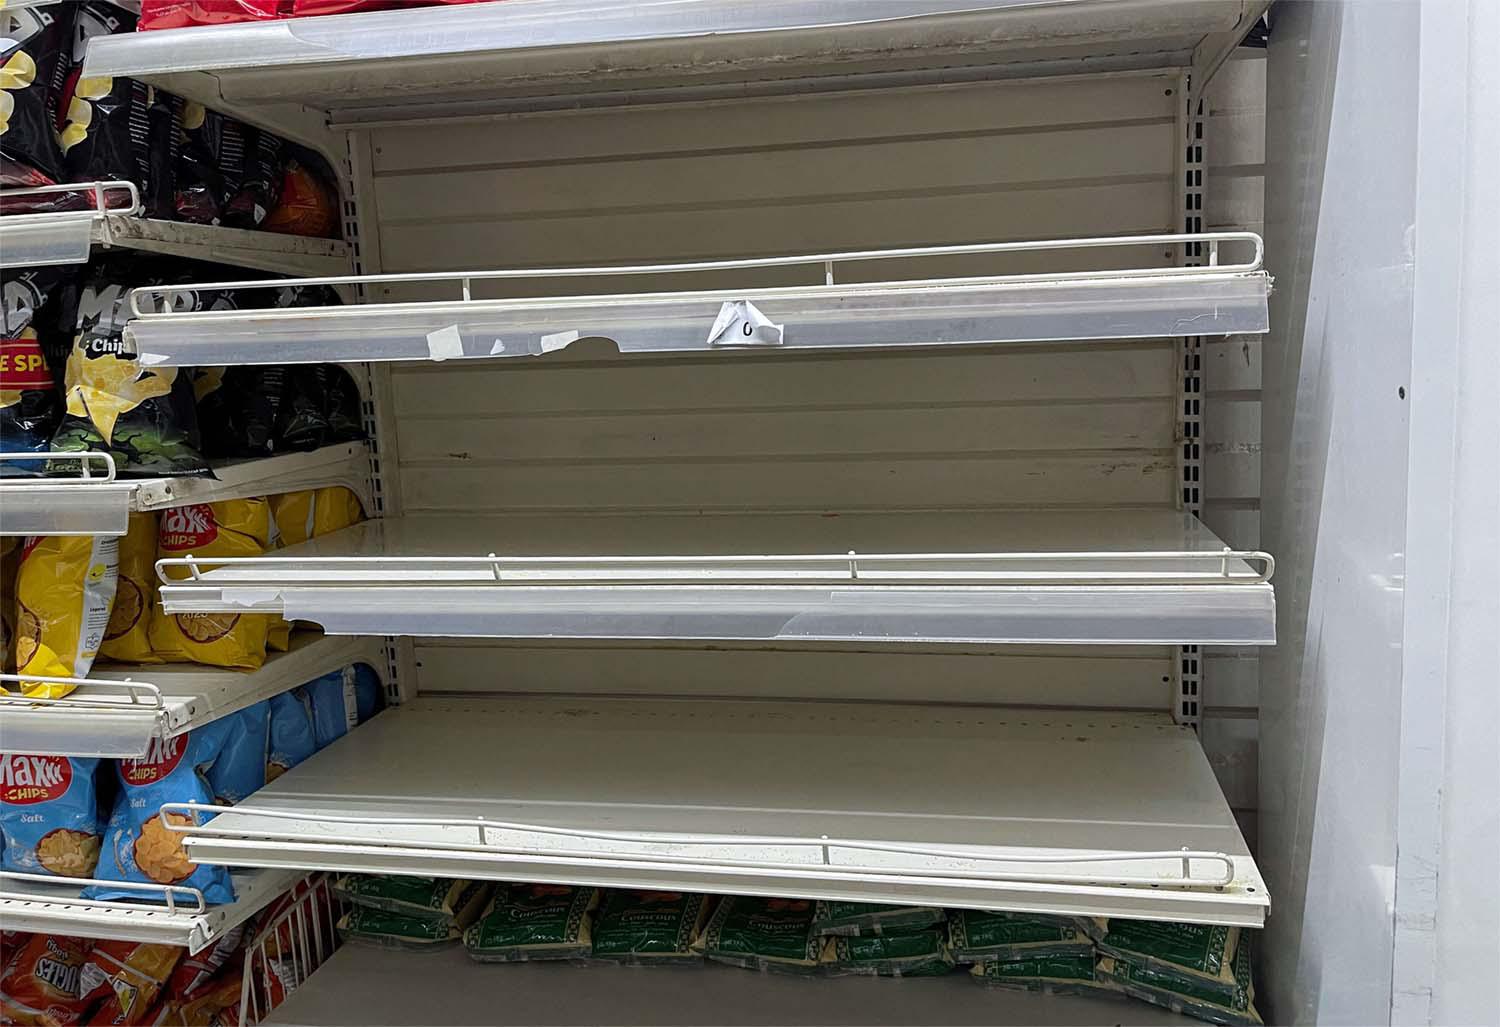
(1401,391)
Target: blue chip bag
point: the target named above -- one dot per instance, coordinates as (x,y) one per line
(369,693)
(331,700)
(49,815)
(241,767)
(292,739)
(137,845)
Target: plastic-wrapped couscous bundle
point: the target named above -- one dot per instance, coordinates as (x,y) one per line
(235,527)
(1056,974)
(764,934)
(527,922)
(649,928)
(918,952)
(978,935)
(1197,969)
(65,590)
(854,919)
(128,636)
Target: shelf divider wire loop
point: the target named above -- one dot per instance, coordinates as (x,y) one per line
(82,468)
(821,845)
(1215,567)
(125,695)
(154,301)
(178,899)
(101,193)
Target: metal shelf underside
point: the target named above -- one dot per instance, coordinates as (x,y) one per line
(56,909)
(1065,576)
(97,720)
(1072,813)
(421,63)
(362,986)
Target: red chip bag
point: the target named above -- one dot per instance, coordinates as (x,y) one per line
(312,8)
(41,988)
(178,14)
(128,978)
(195,972)
(219,1004)
(308,205)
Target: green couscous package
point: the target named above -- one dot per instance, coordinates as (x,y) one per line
(764,934)
(1058,974)
(915,953)
(363,925)
(525,922)
(980,935)
(1172,992)
(438,898)
(855,919)
(1196,956)
(649,927)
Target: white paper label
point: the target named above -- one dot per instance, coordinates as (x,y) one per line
(740,324)
(445,343)
(498,347)
(351,704)
(558,340)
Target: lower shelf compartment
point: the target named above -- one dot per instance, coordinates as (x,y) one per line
(1096,814)
(364,986)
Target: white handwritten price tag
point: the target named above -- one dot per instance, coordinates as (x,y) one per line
(740,324)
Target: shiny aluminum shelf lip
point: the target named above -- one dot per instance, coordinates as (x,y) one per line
(87,723)
(64,236)
(361,986)
(1143,302)
(92,503)
(54,910)
(677,770)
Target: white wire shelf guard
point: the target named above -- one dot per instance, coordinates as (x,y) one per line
(70,236)
(114,715)
(761,802)
(82,497)
(63,236)
(287,949)
(428,63)
(1119,303)
(166,914)
(1155,578)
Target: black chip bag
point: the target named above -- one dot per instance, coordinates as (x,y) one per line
(144,416)
(208,166)
(34,63)
(259,189)
(30,401)
(342,405)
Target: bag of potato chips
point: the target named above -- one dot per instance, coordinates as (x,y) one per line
(235,527)
(314,512)
(128,638)
(41,985)
(49,815)
(65,589)
(126,977)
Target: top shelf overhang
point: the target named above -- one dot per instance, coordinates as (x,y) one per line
(405,64)
(1145,302)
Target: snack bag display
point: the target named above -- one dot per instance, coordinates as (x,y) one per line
(65,591)
(1182,995)
(764,934)
(914,953)
(854,919)
(195,971)
(128,636)
(41,986)
(978,935)
(137,845)
(1056,974)
(240,769)
(178,14)
(235,527)
(49,815)
(144,416)
(34,51)
(126,978)
(1198,956)
(312,513)
(308,205)
(292,739)
(525,922)
(649,927)
(260,184)
(30,401)
(365,926)
(431,898)
(340,700)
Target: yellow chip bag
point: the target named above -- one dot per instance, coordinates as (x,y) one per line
(235,527)
(127,637)
(64,591)
(314,512)
(10,564)
(279,635)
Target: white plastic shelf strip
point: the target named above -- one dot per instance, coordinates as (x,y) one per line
(169,915)
(92,501)
(1084,813)
(65,236)
(116,714)
(1148,577)
(84,498)
(69,237)
(402,62)
(1145,302)
(362,986)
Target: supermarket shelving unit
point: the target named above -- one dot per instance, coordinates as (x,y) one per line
(487,551)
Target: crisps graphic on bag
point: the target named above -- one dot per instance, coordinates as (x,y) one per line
(65,591)
(127,977)
(137,845)
(49,815)
(128,636)
(312,513)
(41,985)
(235,527)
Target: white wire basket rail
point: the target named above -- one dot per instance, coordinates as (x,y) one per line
(289,947)
(114,714)
(112,217)
(763,799)
(1155,578)
(1118,303)
(170,915)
